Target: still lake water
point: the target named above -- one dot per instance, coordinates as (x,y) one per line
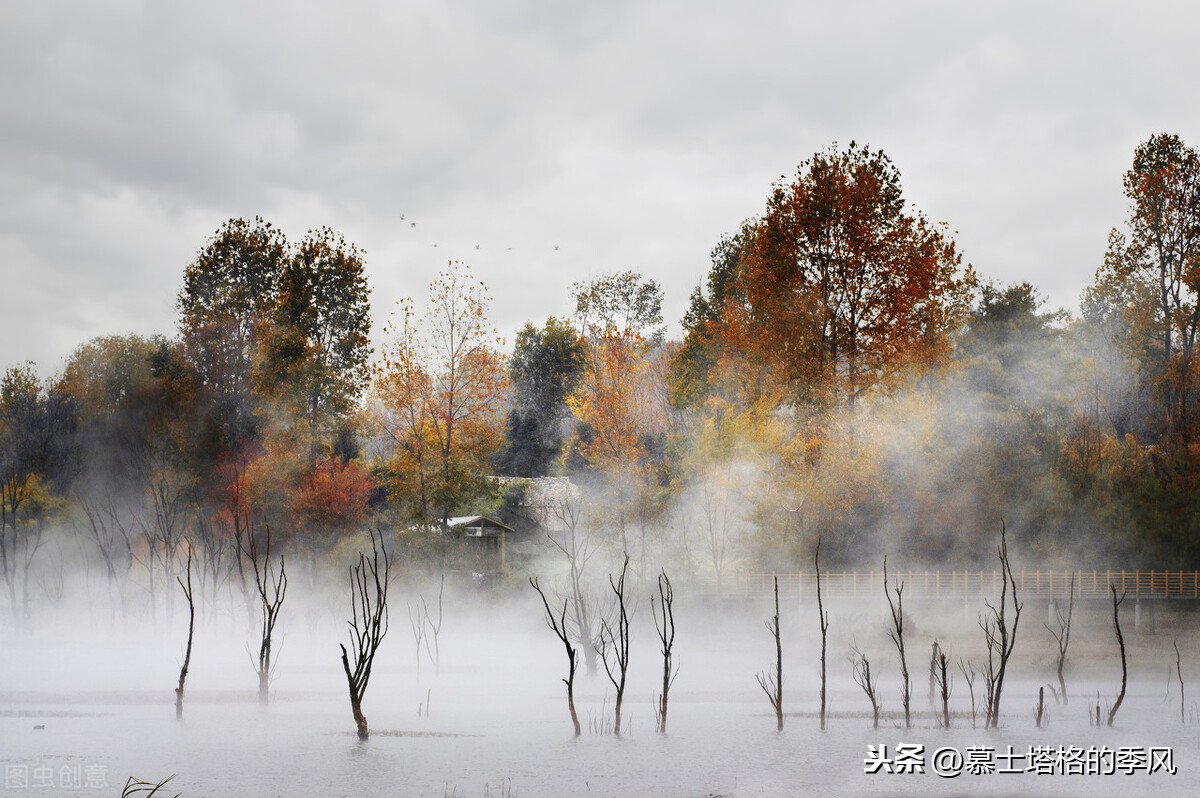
(497,723)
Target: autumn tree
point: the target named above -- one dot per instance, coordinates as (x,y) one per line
(693,371)
(1123,334)
(1008,342)
(441,386)
(332,496)
(110,381)
(1163,187)
(544,370)
(317,343)
(620,316)
(402,390)
(229,293)
(36,426)
(838,290)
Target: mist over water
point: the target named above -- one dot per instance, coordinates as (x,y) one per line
(491,718)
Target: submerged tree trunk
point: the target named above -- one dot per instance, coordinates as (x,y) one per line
(1063,636)
(998,635)
(862,676)
(617,641)
(187,656)
(772,684)
(368,623)
(823,619)
(360,720)
(896,633)
(942,680)
(559,627)
(1179,673)
(664,624)
(1112,713)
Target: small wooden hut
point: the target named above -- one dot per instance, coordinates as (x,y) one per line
(485,539)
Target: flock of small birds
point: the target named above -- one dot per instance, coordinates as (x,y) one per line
(412,224)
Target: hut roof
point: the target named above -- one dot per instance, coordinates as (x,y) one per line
(481,522)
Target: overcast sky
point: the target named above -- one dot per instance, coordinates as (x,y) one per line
(546,143)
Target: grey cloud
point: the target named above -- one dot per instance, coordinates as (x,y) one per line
(631,135)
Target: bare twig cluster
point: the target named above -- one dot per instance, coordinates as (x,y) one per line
(271,586)
(896,633)
(187,656)
(999,636)
(664,624)
(559,627)
(577,548)
(368,623)
(1063,636)
(864,679)
(969,673)
(426,628)
(614,644)
(772,684)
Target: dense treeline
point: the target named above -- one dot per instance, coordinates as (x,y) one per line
(843,376)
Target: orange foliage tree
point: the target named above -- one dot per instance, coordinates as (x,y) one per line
(1164,188)
(620,316)
(333,496)
(837,289)
(441,387)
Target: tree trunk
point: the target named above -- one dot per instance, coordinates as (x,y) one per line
(360,720)
(1112,713)
(571,703)
(355,700)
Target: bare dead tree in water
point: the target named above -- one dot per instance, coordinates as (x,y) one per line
(1179,673)
(896,633)
(187,654)
(823,620)
(435,627)
(416,620)
(998,635)
(577,548)
(108,524)
(1063,636)
(664,624)
(864,679)
(559,627)
(368,623)
(616,642)
(271,586)
(1112,712)
(772,684)
(1039,712)
(969,673)
(933,660)
(944,682)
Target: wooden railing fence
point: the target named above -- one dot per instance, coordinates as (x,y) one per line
(960,585)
